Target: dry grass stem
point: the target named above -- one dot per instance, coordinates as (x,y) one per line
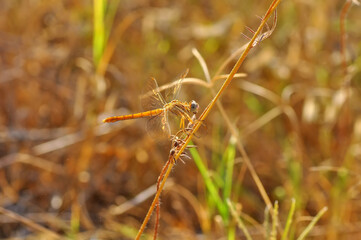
(286,127)
(29,223)
(205,114)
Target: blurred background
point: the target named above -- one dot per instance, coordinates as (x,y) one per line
(66,65)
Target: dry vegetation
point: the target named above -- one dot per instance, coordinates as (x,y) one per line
(296,110)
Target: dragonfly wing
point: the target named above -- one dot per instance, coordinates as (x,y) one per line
(156,128)
(151,97)
(173,92)
(166,124)
(173,122)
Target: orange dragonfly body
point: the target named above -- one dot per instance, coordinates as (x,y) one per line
(161,109)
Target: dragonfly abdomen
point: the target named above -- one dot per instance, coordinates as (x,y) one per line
(134,116)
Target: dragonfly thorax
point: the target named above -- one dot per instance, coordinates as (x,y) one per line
(184,107)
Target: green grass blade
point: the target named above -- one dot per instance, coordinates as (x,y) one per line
(230,153)
(109,18)
(231,232)
(312,223)
(238,220)
(222,208)
(99,30)
(273,235)
(289,220)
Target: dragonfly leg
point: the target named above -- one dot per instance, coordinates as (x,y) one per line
(182,124)
(165,125)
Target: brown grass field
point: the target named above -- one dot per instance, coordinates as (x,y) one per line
(277,157)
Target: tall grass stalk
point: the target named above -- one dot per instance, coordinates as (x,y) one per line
(99,30)
(312,224)
(233,130)
(211,187)
(238,220)
(104,13)
(205,113)
(266,223)
(273,235)
(289,220)
(343,38)
(156,198)
(230,153)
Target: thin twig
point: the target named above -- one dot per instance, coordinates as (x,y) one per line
(345,8)
(161,175)
(27,222)
(312,223)
(32,160)
(242,48)
(205,113)
(139,198)
(113,41)
(156,198)
(343,35)
(202,63)
(224,86)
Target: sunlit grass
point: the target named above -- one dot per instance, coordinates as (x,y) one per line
(283,139)
(104,13)
(99,36)
(210,185)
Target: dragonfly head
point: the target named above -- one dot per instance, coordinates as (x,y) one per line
(194,106)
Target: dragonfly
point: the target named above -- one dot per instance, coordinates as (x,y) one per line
(159,109)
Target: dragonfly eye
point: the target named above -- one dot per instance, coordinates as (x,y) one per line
(194,107)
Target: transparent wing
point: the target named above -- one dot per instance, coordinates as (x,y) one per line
(156,128)
(151,97)
(173,92)
(165,122)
